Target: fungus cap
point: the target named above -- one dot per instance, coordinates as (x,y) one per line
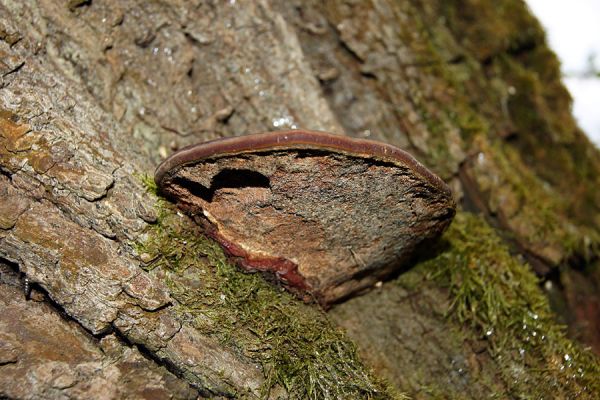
(326,215)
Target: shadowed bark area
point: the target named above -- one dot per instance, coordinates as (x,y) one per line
(94,94)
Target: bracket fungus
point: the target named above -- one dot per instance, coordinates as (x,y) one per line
(326,215)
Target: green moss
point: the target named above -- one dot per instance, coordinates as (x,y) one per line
(541,113)
(296,345)
(491,27)
(507,89)
(148,183)
(498,298)
(543,212)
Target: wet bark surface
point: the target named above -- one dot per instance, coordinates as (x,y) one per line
(93,94)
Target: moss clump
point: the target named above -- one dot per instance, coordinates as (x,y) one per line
(499,299)
(296,345)
(148,183)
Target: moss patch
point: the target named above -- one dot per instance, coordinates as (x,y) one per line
(503,85)
(542,115)
(522,101)
(296,345)
(499,299)
(149,185)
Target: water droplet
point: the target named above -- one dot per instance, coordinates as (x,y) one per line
(284,121)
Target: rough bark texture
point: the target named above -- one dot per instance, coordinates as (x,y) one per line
(44,354)
(95,93)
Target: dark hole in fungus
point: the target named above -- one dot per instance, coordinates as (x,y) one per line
(227,178)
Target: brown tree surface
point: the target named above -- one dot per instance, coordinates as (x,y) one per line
(130,300)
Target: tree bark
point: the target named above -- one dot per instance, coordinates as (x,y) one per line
(94,94)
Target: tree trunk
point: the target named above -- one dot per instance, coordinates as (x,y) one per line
(131,300)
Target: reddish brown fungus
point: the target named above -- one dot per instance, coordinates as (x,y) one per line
(327,215)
